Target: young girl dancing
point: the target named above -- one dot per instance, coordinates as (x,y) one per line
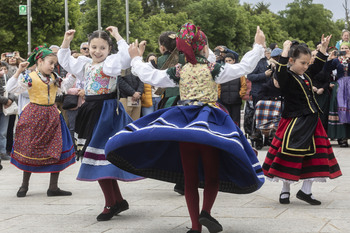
(300,148)
(196,142)
(101,116)
(42,143)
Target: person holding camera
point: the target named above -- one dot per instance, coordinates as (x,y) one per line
(339,120)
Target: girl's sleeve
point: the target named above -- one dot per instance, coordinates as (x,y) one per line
(72,65)
(67,82)
(248,63)
(24,82)
(12,85)
(148,74)
(282,72)
(115,63)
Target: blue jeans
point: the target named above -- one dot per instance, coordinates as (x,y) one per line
(4,121)
(153,108)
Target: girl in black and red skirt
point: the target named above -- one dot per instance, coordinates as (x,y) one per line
(300,148)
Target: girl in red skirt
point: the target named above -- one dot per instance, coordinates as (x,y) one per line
(300,148)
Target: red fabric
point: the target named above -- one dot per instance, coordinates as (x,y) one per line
(322,164)
(38,139)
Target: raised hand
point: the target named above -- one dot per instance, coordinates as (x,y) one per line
(259,36)
(68,37)
(286,47)
(134,50)
(324,43)
(114,32)
(23,66)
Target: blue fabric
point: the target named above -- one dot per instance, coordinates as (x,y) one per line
(4,121)
(67,156)
(343,98)
(150,147)
(93,167)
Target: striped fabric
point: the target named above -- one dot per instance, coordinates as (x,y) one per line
(149,147)
(268,114)
(293,168)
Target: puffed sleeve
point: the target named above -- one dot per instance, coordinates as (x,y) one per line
(248,63)
(72,65)
(115,63)
(148,74)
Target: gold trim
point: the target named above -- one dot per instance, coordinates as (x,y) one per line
(30,157)
(308,101)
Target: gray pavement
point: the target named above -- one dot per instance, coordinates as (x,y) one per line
(155,208)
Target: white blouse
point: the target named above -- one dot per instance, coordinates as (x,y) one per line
(148,74)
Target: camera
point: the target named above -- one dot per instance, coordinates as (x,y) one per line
(339,53)
(10,54)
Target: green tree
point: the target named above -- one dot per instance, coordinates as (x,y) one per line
(307,21)
(225,22)
(47,24)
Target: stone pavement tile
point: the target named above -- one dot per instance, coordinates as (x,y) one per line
(337,226)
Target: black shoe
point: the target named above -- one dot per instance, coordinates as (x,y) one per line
(193,231)
(307,197)
(209,222)
(106,216)
(58,192)
(22,191)
(284,200)
(179,188)
(120,207)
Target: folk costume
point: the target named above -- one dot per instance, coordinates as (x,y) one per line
(300,148)
(101,115)
(42,142)
(170,143)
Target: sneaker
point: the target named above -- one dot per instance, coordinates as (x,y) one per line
(209,222)
(307,198)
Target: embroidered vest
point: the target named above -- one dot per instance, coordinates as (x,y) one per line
(41,93)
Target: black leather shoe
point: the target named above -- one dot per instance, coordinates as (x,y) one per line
(22,191)
(179,188)
(120,207)
(307,197)
(193,231)
(106,216)
(209,222)
(284,200)
(58,192)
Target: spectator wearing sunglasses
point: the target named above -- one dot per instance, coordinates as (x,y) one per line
(84,49)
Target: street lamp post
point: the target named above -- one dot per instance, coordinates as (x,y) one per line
(127,19)
(99,14)
(66,15)
(29,20)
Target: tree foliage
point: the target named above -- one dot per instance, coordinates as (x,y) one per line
(225,22)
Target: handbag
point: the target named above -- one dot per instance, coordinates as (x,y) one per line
(70,101)
(13,108)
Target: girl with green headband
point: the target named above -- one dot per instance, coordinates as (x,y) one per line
(42,143)
(195,142)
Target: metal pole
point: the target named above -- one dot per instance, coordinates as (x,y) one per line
(66,15)
(127,19)
(99,15)
(29,20)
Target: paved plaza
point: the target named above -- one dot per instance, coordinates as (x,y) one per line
(155,208)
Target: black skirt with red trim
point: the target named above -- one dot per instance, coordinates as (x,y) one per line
(322,164)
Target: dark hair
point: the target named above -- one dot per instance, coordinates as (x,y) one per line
(297,49)
(103,35)
(4,64)
(149,55)
(272,46)
(230,55)
(168,42)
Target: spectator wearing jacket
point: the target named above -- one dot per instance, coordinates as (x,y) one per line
(232,92)
(131,86)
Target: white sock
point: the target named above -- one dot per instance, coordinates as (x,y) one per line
(285,188)
(306,188)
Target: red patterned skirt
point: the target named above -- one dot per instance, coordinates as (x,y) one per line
(38,139)
(322,164)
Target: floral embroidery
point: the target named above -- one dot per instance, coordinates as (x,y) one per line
(97,82)
(27,80)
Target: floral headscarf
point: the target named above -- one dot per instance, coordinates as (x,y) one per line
(39,52)
(190,40)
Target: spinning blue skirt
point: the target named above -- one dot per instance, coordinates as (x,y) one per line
(149,147)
